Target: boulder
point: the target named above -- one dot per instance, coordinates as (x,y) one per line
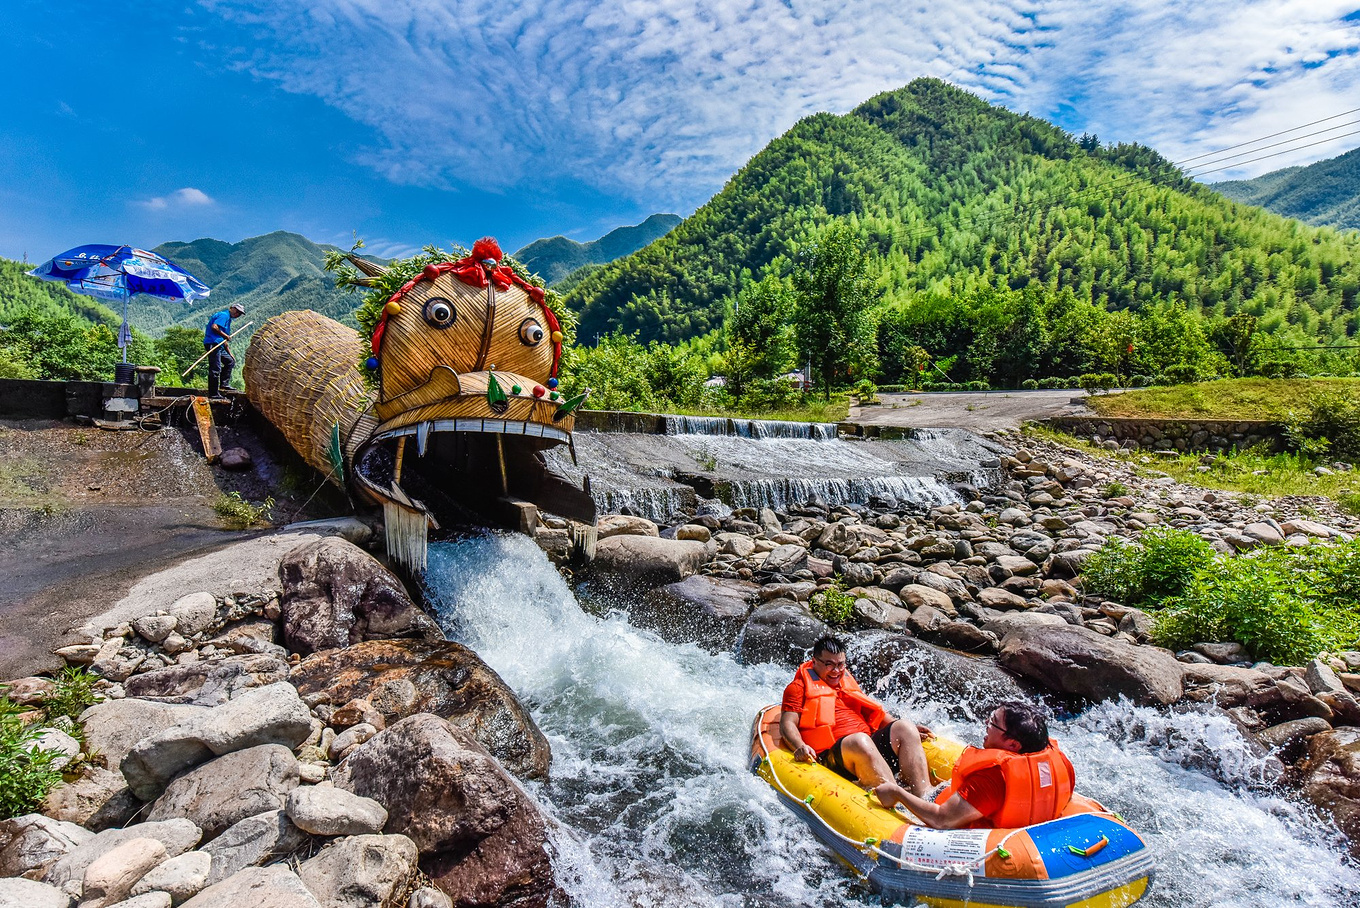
(705,610)
(34,842)
(939,580)
(934,673)
(1288,736)
(404,677)
(208,682)
(785,559)
(926,620)
(154,628)
(480,837)
(1002,600)
(178,836)
(258,887)
(875,613)
(429,897)
(899,577)
(1016,565)
(327,810)
(351,737)
(235,459)
(839,538)
(193,613)
(362,870)
(781,630)
(335,594)
(110,877)
(917,595)
(28,691)
(266,715)
(254,635)
(1276,699)
(1082,663)
(625,525)
(21,893)
(966,636)
(181,877)
(262,838)
(154,899)
(693,532)
(646,561)
(1004,623)
(738,544)
(1331,780)
(1264,533)
(99,799)
(230,788)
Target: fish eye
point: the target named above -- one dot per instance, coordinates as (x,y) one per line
(439,312)
(530,333)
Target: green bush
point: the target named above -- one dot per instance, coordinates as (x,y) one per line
(1160,566)
(1030,384)
(1330,427)
(834,605)
(978,386)
(1112,572)
(72,694)
(27,773)
(1181,374)
(1095,382)
(240,514)
(866,391)
(1115,489)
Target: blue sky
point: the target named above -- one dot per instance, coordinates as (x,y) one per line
(416,121)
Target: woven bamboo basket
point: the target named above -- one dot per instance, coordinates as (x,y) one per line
(302,374)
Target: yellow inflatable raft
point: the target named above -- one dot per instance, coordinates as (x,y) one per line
(1087,858)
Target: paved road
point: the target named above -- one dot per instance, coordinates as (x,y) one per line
(978,411)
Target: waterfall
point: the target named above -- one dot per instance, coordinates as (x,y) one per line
(748,428)
(655,804)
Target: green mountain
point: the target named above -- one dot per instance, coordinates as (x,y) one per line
(20,292)
(555,258)
(1325,194)
(961,203)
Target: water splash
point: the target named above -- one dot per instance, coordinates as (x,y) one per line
(748,428)
(657,807)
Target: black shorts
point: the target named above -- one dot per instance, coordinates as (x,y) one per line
(831,757)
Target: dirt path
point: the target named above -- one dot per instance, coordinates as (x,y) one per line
(981,411)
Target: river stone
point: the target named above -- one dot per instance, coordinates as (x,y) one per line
(21,893)
(351,737)
(1223,653)
(785,559)
(362,870)
(98,800)
(404,677)
(480,837)
(230,788)
(781,630)
(926,620)
(1322,679)
(208,682)
(181,877)
(951,586)
(1276,699)
(646,561)
(625,525)
(253,635)
(154,628)
(1016,565)
(1005,622)
(1264,533)
(917,595)
(1331,780)
(327,810)
(1002,600)
(34,842)
(335,594)
(266,715)
(737,544)
(154,899)
(1082,663)
(1287,735)
(429,897)
(705,610)
(840,538)
(178,836)
(899,577)
(874,613)
(262,838)
(1066,565)
(966,636)
(109,878)
(257,887)
(693,532)
(194,613)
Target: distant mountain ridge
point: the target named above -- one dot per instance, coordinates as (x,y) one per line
(556,257)
(1324,194)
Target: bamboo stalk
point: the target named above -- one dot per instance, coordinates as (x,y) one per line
(208,352)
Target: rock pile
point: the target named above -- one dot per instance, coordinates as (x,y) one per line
(318,744)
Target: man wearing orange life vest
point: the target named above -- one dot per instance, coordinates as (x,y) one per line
(827,718)
(1018,777)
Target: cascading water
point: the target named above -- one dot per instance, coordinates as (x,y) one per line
(748,428)
(656,805)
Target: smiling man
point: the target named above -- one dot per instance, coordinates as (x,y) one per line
(827,718)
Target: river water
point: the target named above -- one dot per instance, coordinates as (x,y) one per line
(656,806)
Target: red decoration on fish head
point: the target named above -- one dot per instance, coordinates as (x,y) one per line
(487,248)
(431,271)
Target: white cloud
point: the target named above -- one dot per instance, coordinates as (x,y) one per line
(663,99)
(188,197)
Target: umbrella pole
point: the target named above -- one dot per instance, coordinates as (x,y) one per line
(125,326)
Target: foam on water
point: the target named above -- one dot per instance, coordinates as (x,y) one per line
(656,805)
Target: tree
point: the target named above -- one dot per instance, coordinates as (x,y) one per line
(760,334)
(1235,336)
(835,292)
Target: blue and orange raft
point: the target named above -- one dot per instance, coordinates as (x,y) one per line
(1087,858)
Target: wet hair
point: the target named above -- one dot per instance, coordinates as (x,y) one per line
(1026,726)
(828,644)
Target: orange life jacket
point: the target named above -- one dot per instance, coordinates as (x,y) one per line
(1038,785)
(818,718)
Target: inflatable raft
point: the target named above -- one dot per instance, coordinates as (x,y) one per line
(1087,858)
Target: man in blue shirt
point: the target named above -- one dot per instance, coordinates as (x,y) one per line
(220,360)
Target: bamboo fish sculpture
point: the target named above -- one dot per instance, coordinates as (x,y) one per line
(466,356)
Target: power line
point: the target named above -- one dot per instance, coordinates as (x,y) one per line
(1271,136)
(1275,154)
(1306,135)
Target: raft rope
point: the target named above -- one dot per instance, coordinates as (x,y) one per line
(871,844)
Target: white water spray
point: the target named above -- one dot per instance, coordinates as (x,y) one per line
(657,806)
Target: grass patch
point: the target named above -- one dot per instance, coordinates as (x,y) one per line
(1251,472)
(833,605)
(1235,398)
(27,774)
(239,514)
(73,692)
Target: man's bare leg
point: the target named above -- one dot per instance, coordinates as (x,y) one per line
(911,757)
(860,755)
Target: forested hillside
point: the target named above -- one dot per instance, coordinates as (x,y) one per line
(995,242)
(556,257)
(19,292)
(1326,193)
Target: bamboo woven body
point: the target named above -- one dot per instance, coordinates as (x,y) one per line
(302,374)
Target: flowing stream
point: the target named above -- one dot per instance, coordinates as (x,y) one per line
(656,805)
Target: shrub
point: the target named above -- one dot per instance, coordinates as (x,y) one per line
(866,391)
(72,694)
(1161,566)
(1095,382)
(1030,384)
(1112,572)
(1330,427)
(240,514)
(1181,374)
(27,773)
(1072,381)
(978,386)
(834,606)
(1349,502)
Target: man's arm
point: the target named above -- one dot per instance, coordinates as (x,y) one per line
(788,729)
(952,814)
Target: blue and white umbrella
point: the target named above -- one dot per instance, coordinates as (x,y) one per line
(115,273)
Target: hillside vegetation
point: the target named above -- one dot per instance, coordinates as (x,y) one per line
(556,257)
(1325,194)
(999,248)
(1238,398)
